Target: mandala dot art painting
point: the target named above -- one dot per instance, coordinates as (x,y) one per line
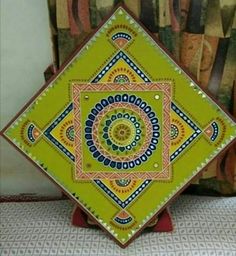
(122,128)
(122,131)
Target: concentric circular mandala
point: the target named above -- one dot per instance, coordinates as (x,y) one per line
(177,132)
(122,182)
(121,79)
(67,133)
(122,75)
(174,131)
(122,131)
(123,185)
(70,133)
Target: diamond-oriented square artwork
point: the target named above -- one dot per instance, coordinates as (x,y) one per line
(121,127)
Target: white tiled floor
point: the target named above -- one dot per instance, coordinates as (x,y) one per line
(203,226)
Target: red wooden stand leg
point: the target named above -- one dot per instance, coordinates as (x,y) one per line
(79,218)
(164,223)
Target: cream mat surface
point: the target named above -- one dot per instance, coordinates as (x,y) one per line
(202,226)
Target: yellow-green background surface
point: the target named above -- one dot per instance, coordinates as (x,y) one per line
(83,68)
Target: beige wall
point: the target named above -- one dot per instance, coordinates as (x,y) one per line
(25,54)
